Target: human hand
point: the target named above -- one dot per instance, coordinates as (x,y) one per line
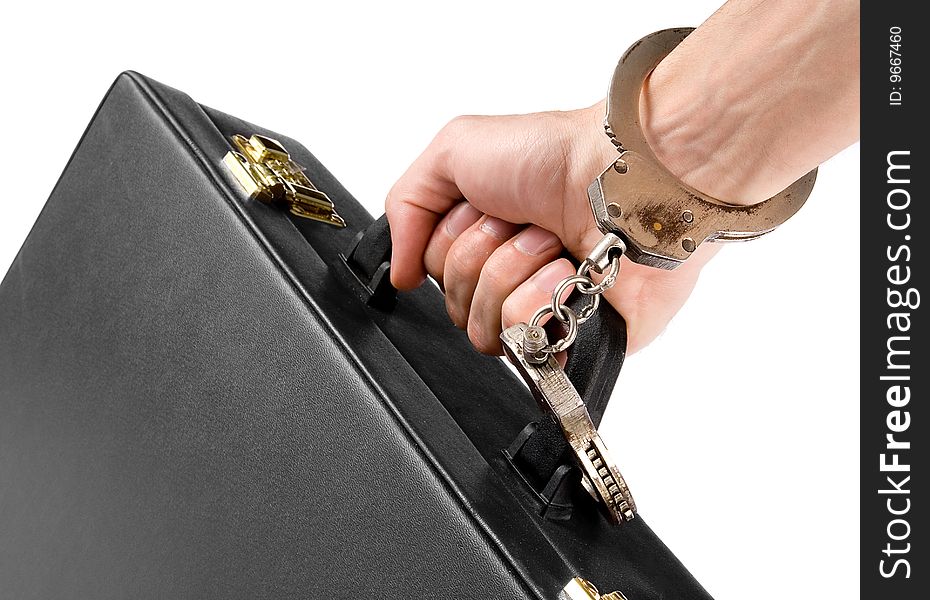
(756,97)
(496,255)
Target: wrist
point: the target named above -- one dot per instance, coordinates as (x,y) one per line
(711,135)
(754,99)
(591,151)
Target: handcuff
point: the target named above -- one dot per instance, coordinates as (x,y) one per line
(647,214)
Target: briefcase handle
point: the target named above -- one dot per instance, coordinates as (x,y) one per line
(594,360)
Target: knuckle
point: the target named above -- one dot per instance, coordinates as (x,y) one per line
(509,311)
(390,200)
(395,200)
(479,337)
(495,276)
(452,309)
(460,261)
(436,269)
(455,127)
(475,335)
(458,122)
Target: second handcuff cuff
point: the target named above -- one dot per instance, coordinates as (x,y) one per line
(652,217)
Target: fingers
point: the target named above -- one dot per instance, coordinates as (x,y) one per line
(479,261)
(514,167)
(505,270)
(414,207)
(535,292)
(457,222)
(465,260)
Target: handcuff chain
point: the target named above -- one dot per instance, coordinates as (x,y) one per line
(605,256)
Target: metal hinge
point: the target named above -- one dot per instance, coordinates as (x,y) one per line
(266,172)
(582,589)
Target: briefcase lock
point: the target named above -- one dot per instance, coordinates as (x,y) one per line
(582,589)
(266,172)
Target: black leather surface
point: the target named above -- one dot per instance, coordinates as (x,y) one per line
(594,360)
(191,406)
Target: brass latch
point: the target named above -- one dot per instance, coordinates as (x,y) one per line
(265,170)
(582,589)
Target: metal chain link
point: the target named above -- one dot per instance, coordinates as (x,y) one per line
(605,256)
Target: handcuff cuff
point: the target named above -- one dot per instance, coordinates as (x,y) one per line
(650,216)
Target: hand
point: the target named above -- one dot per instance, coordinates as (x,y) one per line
(756,97)
(496,254)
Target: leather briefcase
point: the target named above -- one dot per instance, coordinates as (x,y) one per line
(204,395)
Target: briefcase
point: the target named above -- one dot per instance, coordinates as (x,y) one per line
(209,389)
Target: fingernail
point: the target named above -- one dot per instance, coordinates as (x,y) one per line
(548,277)
(498,228)
(535,240)
(461,218)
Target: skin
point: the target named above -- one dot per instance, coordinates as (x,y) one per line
(757,96)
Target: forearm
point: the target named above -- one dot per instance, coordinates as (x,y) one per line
(758,95)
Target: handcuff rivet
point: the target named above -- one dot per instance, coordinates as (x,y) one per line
(534,344)
(687,216)
(620,166)
(688,244)
(613,209)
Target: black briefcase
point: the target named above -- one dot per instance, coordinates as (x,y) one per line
(209,389)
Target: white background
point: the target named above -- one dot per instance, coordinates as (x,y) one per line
(737,429)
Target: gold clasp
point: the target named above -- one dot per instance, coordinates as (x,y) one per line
(582,589)
(265,170)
